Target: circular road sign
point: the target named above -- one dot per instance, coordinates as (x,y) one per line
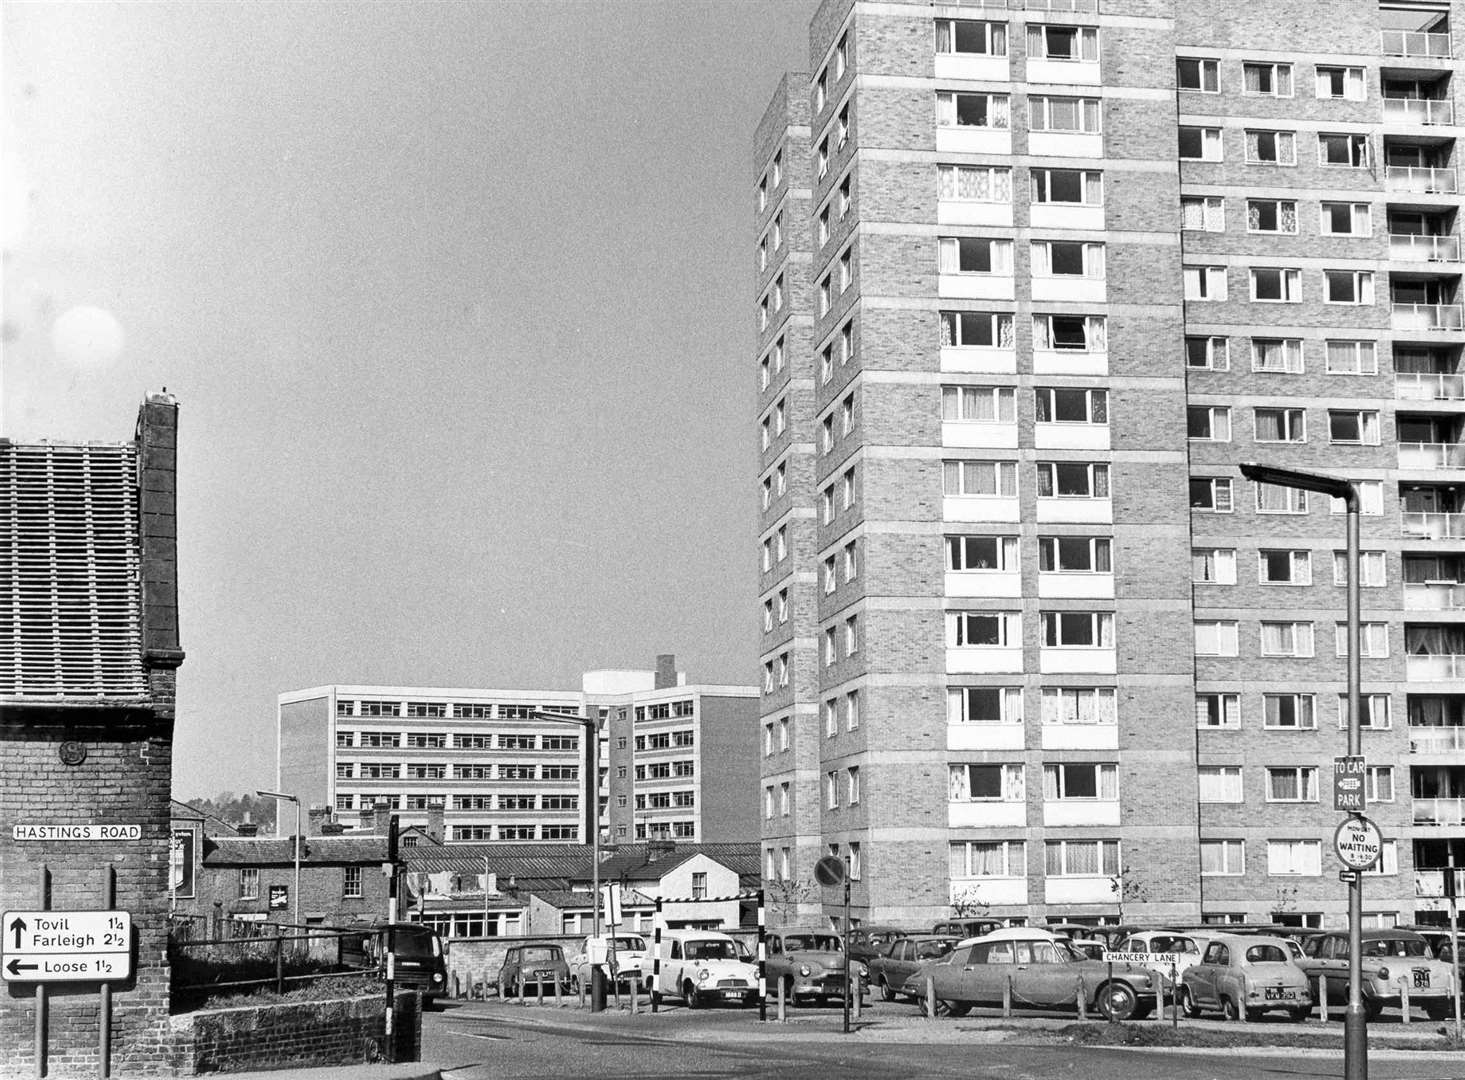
(1358,842)
(829,870)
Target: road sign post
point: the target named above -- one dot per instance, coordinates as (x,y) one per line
(66,946)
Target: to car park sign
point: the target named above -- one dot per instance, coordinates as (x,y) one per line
(1349,793)
(1358,843)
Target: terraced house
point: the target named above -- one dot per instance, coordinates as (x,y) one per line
(1034,277)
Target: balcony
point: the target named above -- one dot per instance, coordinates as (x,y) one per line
(1405,247)
(1089,6)
(1427,317)
(1440,667)
(1433,596)
(1414,43)
(1428,386)
(1420,178)
(1431,455)
(1432,525)
(1418,111)
(1436,740)
(1439,812)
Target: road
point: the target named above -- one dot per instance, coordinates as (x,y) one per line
(492,1041)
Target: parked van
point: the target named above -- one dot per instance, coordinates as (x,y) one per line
(420,962)
(703,967)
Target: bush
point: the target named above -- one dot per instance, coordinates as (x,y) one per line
(210,973)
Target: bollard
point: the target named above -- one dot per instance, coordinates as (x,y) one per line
(855,1000)
(457,988)
(580,990)
(1083,1000)
(520,989)
(782,1009)
(930,997)
(1007,998)
(635,992)
(1322,998)
(559,1001)
(539,989)
(1404,998)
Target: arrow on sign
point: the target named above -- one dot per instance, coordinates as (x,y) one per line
(15,967)
(18,925)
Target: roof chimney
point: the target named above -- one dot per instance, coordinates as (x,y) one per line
(316,819)
(666,671)
(247,828)
(383,818)
(659,849)
(435,821)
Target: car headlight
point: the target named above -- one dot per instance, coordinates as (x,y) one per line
(437,976)
(804,970)
(1383,973)
(703,975)
(862,971)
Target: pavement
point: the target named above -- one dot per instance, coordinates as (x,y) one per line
(407,1070)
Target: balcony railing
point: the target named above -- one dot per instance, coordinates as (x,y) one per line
(1428,525)
(1408,247)
(1415,43)
(1428,386)
(1090,6)
(1433,596)
(1431,455)
(1418,111)
(1419,178)
(1427,317)
(1439,811)
(1436,740)
(1439,667)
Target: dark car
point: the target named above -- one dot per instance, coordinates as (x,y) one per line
(1391,959)
(419,963)
(903,959)
(867,942)
(540,965)
(965,928)
(809,964)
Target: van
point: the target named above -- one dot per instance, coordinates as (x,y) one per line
(704,967)
(420,962)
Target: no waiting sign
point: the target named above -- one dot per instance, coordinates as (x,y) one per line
(1358,843)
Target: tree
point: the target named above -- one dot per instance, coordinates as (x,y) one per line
(968,904)
(786,895)
(1127,887)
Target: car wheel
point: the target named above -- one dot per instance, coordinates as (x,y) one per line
(689,994)
(1439,1010)
(574,984)
(1299,1014)
(955,1008)
(886,993)
(1372,1010)
(1229,1011)
(1187,1003)
(1117,1001)
(1253,1015)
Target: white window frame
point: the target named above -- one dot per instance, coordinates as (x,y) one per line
(1079,706)
(1217,423)
(1210,210)
(963,550)
(1360,218)
(1088,111)
(1369,423)
(1375,569)
(1292,422)
(1294,359)
(1212,147)
(964,404)
(1294,858)
(1100,551)
(1003,475)
(1277,207)
(1207,71)
(1226,782)
(1226,635)
(1277,74)
(1303,711)
(993,185)
(1227,711)
(994,37)
(959,629)
(1305,777)
(950,252)
(1346,357)
(959,705)
(1376,707)
(1354,87)
(1299,638)
(1230,867)
(996,110)
(1040,186)
(1222,495)
(1373,640)
(1221,561)
(1289,283)
(1299,566)
(1097,475)
(1284,146)
(1100,629)
(1217,352)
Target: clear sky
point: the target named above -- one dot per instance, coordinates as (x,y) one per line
(457,302)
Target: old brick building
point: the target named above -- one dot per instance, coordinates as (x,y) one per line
(1033,278)
(89,652)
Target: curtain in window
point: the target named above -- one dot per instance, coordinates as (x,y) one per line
(1093,260)
(1283,784)
(999,111)
(1083,858)
(1101,488)
(1014,783)
(1253,216)
(943,36)
(1090,114)
(1004,332)
(1277,638)
(956,863)
(1099,406)
(1283,80)
(1050,783)
(1097,330)
(1093,187)
(1287,216)
(946,110)
(1253,146)
(948,327)
(1040,332)
(1269,424)
(1037,46)
(987,860)
(959,784)
(1042,266)
(950,255)
(1088,44)
(1106,630)
(1108,783)
(1255,74)
(1001,256)
(1063,114)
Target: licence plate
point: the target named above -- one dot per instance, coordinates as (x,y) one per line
(1421,977)
(544,974)
(732,995)
(1276,993)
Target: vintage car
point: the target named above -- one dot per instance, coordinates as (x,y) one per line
(1245,975)
(867,942)
(628,957)
(1180,949)
(1390,957)
(542,967)
(1038,969)
(966,927)
(703,967)
(903,960)
(809,964)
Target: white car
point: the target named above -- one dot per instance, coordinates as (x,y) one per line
(1185,948)
(703,967)
(631,957)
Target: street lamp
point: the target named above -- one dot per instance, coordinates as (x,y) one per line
(295,896)
(1355,1034)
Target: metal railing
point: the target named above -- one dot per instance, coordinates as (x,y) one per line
(1414,43)
(1090,6)
(1433,596)
(1427,317)
(1420,178)
(1418,111)
(1410,247)
(1432,525)
(1439,811)
(203,968)
(1436,668)
(1431,455)
(1428,386)
(1436,740)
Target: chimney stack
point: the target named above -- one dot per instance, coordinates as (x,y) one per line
(382,818)
(316,819)
(659,849)
(666,671)
(435,821)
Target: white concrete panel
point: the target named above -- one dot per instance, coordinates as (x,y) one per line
(976,140)
(1072,72)
(965,212)
(992,890)
(1069,287)
(1082,511)
(1080,736)
(1078,890)
(1076,586)
(982,508)
(1071,436)
(1060,661)
(983,661)
(986,68)
(980,361)
(975,286)
(983,583)
(976,433)
(1069,362)
(1060,144)
(984,736)
(1066,216)
(988,815)
(1081,812)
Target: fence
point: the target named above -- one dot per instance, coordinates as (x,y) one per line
(204,967)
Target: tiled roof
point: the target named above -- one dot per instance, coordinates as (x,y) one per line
(528,863)
(280,851)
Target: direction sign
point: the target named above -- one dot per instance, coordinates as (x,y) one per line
(65,946)
(76,832)
(1349,793)
(1358,843)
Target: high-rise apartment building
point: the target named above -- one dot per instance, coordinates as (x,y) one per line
(676,761)
(1033,279)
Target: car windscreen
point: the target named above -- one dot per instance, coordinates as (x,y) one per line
(629,944)
(541,955)
(711,950)
(1267,954)
(416,944)
(811,942)
(1163,943)
(929,950)
(1395,947)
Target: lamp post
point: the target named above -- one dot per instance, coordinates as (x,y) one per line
(294,896)
(591,728)
(1355,1033)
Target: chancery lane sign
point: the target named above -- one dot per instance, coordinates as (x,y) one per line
(77,832)
(65,946)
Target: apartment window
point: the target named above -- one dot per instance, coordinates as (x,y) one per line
(1370,499)
(1049,41)
(1200,143)
(1346,219)
(978,553)
(1210,493)
(1075,555)
(1063,114)
(847,489)
(1203,213)
(249,883)
(841,128)
(1289,712)
(345,802)
(1279,356)
(1271,215)
(1219,783)
(1073,480)
(1213,566)
(1380,783)
(976,329)
(1360,426)
(1348,286)
(1078,629)
(1292,783)
(780,480)
(974,183)
(1286,639)
(852,785)
(781,542)
(846,342)
(1067,186)
(831,790)
(1340,82)
(979,404)
(826,506)
(1204,282)
(823,296)
(381,740)
(783,669)
(851,562)
(1276,284)
(1352,357)
(1373,635)
(1272,80)
(826,434)
(846,269)
(767,491)
(345,770)
(821,91)
(986,478)
(1062,405)
(780,417)
(1376,716)
(1284,567)
(1295,857)
(975,255)
(1067,258)
(1202,76)
(851,635)
(1374,575)
(1070,333)
(1208,353)
(768,676)
(973,110)
(983,629)
(351,888)
(821,233)
(1081,858)
(1271,147)
(956,36)
(988,858)
(1215,637)
(841,56)
(1208,423)
(1084,705)
(1085,781)
(984,705)
(842,200)
(847,415)
(1349,150)
(1280,424)
(1222,858)
(345,738)
(986,783)
(767,739)
(1218,710)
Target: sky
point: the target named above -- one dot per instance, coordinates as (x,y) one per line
(457,303)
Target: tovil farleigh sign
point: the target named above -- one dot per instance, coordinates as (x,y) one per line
(65,946)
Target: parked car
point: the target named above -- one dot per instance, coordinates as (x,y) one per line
(809,964)
(1438,938)
(966,928)
(420,963)
(904,959)
(703,966)
(1389,957)
(1184,948)
(540,965)
(1043,970)
(628,959)
(868,942)
(1245,975)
